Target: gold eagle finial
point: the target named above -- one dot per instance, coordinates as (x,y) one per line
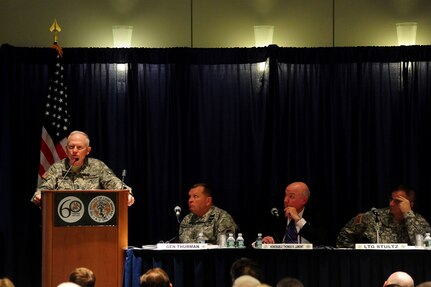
(56,29)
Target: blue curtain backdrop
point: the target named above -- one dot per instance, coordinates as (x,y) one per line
(351,122)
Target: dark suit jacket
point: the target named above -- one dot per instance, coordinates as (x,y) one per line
(314,230)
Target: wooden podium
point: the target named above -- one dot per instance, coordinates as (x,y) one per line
(84,228)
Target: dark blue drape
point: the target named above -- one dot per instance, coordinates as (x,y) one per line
(352,122)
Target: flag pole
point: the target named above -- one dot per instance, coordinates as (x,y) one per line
(55,28)
(55,117)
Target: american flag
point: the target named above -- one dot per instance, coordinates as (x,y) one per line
(56,118)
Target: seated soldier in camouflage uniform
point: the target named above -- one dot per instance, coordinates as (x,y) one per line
(397,223)
(77,171)
(204,217)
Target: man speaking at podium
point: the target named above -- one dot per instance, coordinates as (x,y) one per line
(77,171)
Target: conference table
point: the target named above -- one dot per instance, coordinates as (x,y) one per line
(315,267)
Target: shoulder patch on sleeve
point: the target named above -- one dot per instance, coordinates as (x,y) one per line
(358,218)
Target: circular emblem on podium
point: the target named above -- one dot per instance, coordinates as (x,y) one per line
(101,209)
(70,209)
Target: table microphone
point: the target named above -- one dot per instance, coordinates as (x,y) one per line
(274,211)
(376,214)
(177,211)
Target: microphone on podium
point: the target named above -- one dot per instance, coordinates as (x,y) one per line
(123,175)
(68,171)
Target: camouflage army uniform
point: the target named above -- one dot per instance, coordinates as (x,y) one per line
(362,229)
(215,221)
(94,174)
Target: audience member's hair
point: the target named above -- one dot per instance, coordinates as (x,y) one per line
(245,266)
(155,277)
(425,284)
(6,282)
(83,276)
(68,284)
(289,282)
(245,281)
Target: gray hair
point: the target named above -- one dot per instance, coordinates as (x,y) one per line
(87,139)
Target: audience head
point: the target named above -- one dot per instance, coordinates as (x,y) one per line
(200,199)
(289,282)
(245,281)
(399,278)
(425,284)
(6,282)
(155,277)
(296,195)
(83,276)
(68,284)
(245,266)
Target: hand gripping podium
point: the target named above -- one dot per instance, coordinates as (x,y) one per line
(84,228)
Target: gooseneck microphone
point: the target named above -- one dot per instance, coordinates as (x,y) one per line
(274,211)
(376,214)
(177,211)
(377,225)
(67,172)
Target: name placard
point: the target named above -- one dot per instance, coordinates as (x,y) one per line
(288,246)
(381,246)
(181,246)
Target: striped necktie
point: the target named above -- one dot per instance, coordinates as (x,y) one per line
(291,236)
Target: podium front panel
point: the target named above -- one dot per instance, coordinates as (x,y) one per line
(87,209)
(85,228)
